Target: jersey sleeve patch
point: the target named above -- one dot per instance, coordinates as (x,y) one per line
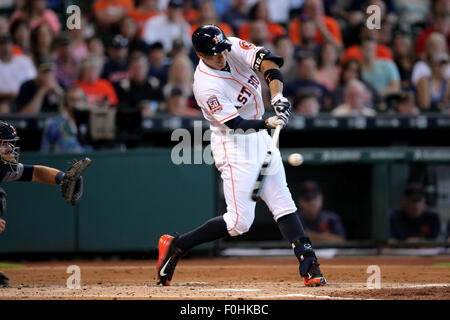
(246,45)
(214,104)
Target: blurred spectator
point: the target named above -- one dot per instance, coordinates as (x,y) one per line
(4,25)
(305,82)
(145,9)
(41,42)
(327,28)
(99,92)
(128,29)
(279,10)
(207,15)
(435,44)
(319,224)
(440,23)
(385,33)
(411,12)
(109,12)
(6,4)
(308,45)
(190,12)
(115,67)
(380,73)
(259,12)
(14,69)
(403,58)
(177,104)
(79,46)
(5,106)
(61,132)
(354,51)
(181,75)
(351,69)
(414,221)
(237,15)
(36,13)
(96,48)
(284,48)
(329,70)
(21,34)
(405,105)
(259,34)
(178,48)
(433,92)
(159,64)
(355,98)
(167,27)
(139,91)
(66,65)
(306,105)
(42,94)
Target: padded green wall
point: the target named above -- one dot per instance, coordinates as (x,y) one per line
(130,200)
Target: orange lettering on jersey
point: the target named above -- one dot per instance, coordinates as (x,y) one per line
(246,45)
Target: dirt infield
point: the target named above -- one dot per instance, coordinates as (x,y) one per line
(234,278)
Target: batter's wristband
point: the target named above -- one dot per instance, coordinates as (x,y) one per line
(273,74)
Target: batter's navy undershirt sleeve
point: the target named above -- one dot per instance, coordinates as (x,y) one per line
(240,123)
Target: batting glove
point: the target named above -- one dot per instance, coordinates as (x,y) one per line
(281,105)
(275,121)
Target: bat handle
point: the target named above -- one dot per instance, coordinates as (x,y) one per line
(275,137)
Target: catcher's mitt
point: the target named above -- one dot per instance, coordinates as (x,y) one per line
(72,182)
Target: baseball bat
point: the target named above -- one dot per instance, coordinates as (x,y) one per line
(259,184)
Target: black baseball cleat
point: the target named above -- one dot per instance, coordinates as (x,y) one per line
(167,259)
(4,281)
(314,277)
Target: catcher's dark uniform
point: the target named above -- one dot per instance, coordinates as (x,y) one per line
(21,172)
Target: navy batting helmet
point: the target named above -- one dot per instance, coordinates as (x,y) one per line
(210,40)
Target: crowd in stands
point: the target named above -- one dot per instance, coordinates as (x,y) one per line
(328,49)
(137,55)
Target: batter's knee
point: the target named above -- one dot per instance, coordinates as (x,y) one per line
(238,224)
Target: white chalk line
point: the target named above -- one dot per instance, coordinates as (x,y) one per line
(65,292)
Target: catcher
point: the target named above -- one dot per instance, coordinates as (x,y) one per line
(70,182)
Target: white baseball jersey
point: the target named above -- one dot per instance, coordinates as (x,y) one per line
(222,96)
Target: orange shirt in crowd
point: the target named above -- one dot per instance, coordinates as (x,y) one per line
(331,24)
(16,50)
(222,25)
(98,91)
(354,52)
(190,16)
(141,18)
(101,5)
(274,29)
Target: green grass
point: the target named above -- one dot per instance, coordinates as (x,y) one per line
(442,264)
(10,266)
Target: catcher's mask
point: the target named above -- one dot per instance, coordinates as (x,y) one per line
(9,152)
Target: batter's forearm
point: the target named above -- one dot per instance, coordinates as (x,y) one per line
(276,85)
(47,175)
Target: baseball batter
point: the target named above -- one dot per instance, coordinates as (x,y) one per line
(71,182)
(228,91)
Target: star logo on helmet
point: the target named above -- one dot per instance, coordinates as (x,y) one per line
(217,38)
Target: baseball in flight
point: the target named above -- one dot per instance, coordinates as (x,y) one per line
(295,159)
